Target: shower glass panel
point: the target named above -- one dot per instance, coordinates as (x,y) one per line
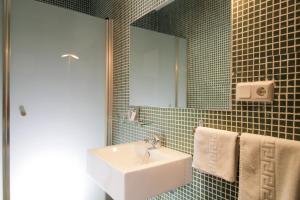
(57,101)
(1,80)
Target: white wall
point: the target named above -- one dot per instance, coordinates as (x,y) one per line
(182,73)
(152,68)
(65,103)
(152,74)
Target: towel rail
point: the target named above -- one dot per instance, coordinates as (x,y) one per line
(201,123)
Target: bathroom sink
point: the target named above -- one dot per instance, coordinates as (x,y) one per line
(132,172)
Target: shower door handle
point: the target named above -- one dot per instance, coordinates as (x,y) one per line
(22,110)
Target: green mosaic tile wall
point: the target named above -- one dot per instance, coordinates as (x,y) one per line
(98,8)
(265,45)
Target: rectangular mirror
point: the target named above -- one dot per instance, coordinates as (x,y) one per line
(180,56)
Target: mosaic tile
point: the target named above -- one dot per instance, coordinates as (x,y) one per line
(98,8)
(265,45)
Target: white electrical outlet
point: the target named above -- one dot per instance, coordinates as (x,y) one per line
(260,91)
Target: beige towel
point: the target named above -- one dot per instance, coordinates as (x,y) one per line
(215,152)
(269,168)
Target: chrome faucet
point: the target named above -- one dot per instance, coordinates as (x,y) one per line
(154,141)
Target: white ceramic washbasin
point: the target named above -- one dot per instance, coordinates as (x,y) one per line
(128,172)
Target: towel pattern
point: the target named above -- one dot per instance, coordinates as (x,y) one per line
(212,151)
(268,164)
(269,168)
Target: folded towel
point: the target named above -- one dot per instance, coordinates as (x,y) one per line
(269,168)
(215,152)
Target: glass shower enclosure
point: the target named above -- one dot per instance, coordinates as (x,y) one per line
(56,68)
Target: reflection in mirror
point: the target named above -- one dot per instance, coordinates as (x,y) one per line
(180,56)
(161,61)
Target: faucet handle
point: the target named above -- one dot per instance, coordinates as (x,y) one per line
(156,141)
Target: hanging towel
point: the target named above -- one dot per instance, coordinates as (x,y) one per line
(215,152)
(269,168)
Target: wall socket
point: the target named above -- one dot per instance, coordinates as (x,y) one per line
(260,91)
